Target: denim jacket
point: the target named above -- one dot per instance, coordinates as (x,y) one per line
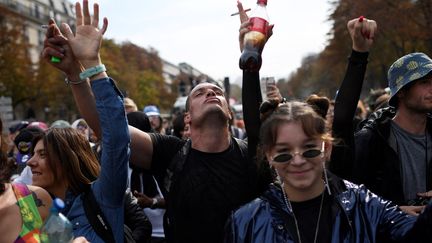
(109,189)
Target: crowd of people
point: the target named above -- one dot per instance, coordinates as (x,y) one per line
(318,170)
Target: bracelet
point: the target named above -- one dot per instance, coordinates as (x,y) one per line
(90,72)
(68,81)
(154,203)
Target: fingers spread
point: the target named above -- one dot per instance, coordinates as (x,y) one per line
(95,21)
(86,13)
(105,25)
(78,13)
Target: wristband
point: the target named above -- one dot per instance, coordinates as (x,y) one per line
(154,203)
(68,81)
(90,72)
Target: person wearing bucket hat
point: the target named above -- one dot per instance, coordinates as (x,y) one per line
(405,71)
(393,149)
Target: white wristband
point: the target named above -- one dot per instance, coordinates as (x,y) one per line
(90,72)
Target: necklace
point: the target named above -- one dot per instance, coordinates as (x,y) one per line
(289,207)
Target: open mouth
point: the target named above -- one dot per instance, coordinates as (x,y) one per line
(35,173)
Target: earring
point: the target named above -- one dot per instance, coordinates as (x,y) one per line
(326,179)
(278,178)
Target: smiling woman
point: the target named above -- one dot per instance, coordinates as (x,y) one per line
(24,208)
(298,208)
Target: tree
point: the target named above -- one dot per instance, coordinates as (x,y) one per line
(17,73)
(403,27)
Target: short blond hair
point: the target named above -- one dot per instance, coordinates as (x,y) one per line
(130,104)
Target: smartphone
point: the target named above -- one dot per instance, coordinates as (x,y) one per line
(270,81)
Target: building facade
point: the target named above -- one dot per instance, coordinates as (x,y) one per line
(36,13)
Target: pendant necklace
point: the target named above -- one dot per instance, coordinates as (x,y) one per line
(290,209)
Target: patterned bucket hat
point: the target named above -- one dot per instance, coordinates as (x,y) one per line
(406,69)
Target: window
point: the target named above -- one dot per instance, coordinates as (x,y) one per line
(37,11)
(65,8)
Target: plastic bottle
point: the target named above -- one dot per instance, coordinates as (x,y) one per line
(254,40)
(57,228)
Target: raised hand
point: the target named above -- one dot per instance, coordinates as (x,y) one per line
(245,26)
(86,42)
(362,32)
(56,45)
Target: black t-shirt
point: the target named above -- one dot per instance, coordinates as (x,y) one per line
(307,216)
(210,186)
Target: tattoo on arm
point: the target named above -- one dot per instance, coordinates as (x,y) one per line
(39,202)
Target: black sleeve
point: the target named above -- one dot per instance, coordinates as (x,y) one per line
(251,99)
(365,148)
(136,219)
(345,106)
(164,149)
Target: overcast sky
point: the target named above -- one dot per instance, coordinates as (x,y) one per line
(203,34)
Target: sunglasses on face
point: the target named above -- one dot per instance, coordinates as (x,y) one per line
(307,154)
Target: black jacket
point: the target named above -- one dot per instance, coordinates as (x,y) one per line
(136,219)
(377,164)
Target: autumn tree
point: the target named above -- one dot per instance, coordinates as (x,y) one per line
(16,69)
(138,72)
(403,27)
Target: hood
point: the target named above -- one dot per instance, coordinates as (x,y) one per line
(380,116)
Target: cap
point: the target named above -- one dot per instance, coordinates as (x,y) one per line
(18,126)
(23,142)
(406,69)
(38,124)
(151,110)
(60,124)
(79,123)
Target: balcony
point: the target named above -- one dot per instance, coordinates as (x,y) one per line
(25,11)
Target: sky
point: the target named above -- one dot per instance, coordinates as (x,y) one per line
(203,34)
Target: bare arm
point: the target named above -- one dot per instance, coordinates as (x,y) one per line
(43,201)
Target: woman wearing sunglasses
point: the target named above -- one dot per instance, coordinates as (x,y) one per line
(304,204)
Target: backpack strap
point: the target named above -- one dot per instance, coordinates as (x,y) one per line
(95,216)
(243,145)
(176,165)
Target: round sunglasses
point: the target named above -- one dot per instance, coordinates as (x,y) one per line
(308,154)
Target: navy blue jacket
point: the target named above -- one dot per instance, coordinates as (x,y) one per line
(359,216)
